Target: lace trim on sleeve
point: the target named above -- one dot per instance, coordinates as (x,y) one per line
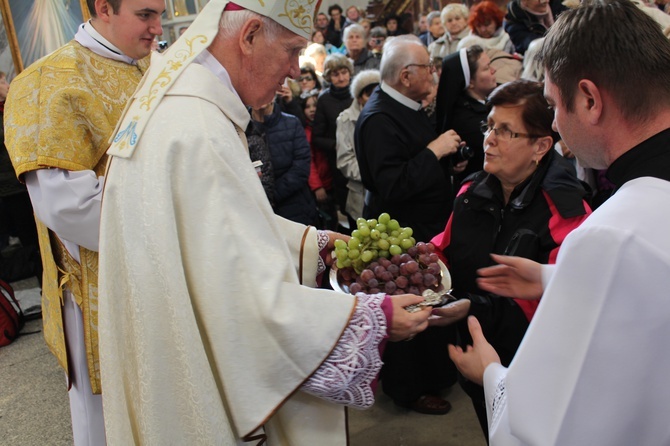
(346,375)
(322,241)
(499,402)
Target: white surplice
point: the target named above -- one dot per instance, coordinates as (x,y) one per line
(201,279)
(593,366)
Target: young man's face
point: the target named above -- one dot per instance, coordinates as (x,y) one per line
(134,26)
(322,21)
(423,24)
(573,128)
(335,14)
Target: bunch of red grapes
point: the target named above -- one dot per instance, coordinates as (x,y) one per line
(412,272)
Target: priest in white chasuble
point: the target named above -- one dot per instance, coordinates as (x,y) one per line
(211,333)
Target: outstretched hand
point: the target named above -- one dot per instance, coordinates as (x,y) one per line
(473,361)
(512,277)
(406,325)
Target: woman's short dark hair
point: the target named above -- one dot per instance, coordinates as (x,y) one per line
(537,116)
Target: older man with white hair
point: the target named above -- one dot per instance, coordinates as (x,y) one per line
(208,334)
(406,170)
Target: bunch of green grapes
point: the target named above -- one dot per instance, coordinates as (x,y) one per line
(382,237)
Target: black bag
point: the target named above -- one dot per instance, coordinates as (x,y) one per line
(11,315)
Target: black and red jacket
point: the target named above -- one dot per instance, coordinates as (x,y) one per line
(540,213)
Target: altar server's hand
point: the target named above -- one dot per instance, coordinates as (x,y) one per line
(473,361)
(512,277)
(405,325)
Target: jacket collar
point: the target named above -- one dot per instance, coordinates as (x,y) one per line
(651,158)
(553,176)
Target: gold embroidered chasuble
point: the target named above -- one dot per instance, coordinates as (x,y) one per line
(60,112)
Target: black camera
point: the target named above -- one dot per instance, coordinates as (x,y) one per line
(463,153)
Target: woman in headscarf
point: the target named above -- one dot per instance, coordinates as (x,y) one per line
(466,80)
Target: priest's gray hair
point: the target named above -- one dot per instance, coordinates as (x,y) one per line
(395,57)
(232,21)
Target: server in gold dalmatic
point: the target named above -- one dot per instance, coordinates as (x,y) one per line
(59,116)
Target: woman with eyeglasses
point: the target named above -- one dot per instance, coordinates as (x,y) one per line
(308,80)
(524,203)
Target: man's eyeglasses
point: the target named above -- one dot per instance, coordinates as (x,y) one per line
(305,78)
(503,133)
(377,40)
(430,66)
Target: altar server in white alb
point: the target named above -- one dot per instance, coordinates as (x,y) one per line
(210,333)
(594,364)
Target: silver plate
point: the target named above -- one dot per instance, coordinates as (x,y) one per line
(445,283)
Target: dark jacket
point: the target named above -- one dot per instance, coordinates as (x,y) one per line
(467,117)
(366,61)
(9,184)
(403,177)
(332,101)
(540,213)
(333,36)
(290,155)
(259,151)
(523,27)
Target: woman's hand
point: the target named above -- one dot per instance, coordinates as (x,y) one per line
(447,315)
(321,195)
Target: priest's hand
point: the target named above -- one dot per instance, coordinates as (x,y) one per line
(406,325)
(512,277)
(332,236)
(450,313)
(473,361)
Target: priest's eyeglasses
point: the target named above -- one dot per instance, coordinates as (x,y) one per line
(503,133)
(430,66)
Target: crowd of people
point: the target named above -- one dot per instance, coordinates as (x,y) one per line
(490,129)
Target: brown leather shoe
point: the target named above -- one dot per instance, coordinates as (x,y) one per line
(431,405)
